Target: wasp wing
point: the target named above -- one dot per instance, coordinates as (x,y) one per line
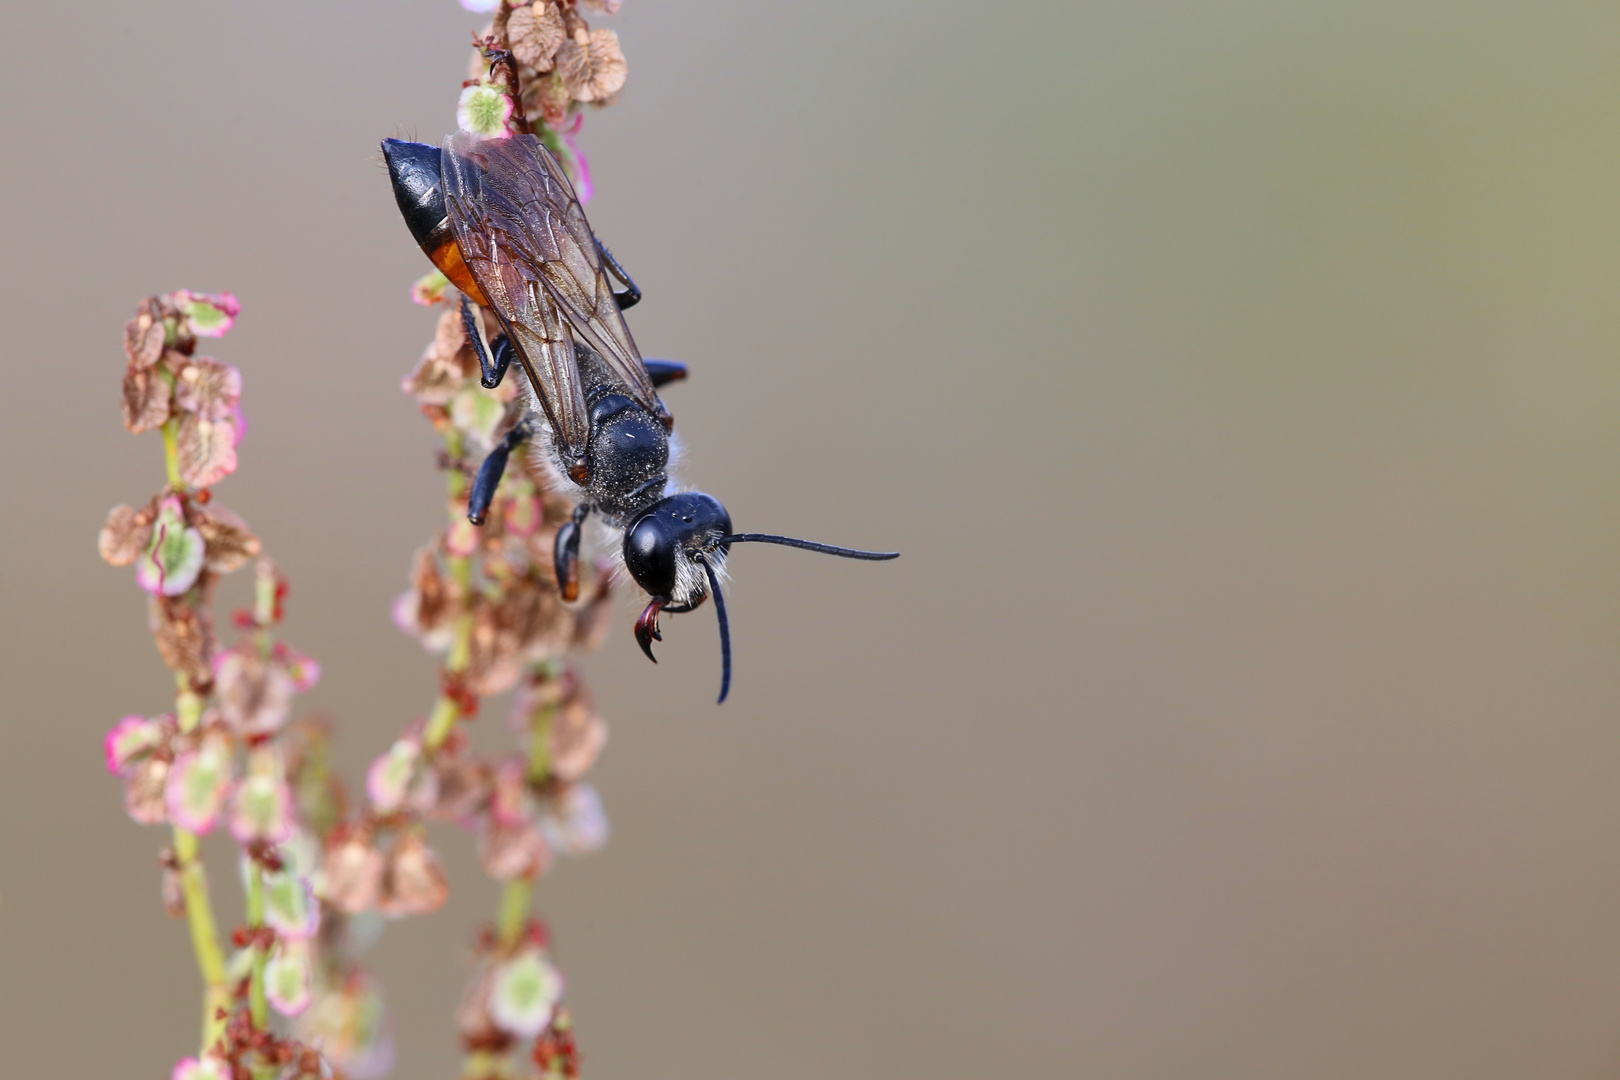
(489,227)
(529,199)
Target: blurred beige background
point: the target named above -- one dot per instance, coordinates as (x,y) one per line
(1240,381)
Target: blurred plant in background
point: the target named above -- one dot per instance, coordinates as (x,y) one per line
(320,876)
(224,756)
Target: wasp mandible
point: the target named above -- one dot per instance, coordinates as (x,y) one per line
(500,219)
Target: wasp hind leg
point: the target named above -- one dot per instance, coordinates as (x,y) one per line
(491,471)
(493,370)
(632,292)
(663,372)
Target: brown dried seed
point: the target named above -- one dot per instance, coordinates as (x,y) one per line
(255,695)
(546,100)
(353,872)
(535,33)
(143,791)
(228,543)
(577,738)
(463,787)
(207,387)
(143,339)
(450,341)
(432,594)
(207,450)
(126,533)
(414,881)
(473,1020)
(592,65)
(145,400)
(509,851)
(185,633)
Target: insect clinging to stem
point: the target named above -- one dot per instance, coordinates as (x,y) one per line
(500,219)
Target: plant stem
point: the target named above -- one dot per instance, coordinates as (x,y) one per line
(515,897)
(194,886)
(540,746)
(514,911)
(171,449)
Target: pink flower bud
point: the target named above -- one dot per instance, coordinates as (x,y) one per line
(206,1068)
(210,314)
(131,738)
(174,556)
(198,783)
(287,978)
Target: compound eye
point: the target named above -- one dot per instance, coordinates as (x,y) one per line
(649,555)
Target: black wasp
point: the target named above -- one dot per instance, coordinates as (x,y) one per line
(501,220)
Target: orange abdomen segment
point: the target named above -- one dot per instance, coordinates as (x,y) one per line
(447,257)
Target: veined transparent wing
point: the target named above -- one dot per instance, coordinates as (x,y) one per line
(518,222)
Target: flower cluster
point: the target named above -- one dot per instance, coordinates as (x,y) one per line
(486,598)
(551,64)
(319,875)
(219,761)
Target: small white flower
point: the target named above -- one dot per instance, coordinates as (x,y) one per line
(484,110)
(524,994)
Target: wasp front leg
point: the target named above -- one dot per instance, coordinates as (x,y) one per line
(565,553)
(493,370)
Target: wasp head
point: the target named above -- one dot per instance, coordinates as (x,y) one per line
(668,546)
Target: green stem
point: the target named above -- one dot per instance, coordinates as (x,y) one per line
(257,1006)
(171,445)
(204,935)
(194,887)
(515,897)
(540,746)
(514,912)
(440,723)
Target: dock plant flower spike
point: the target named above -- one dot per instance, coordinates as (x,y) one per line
(283,993)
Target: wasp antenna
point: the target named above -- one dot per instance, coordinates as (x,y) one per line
(725,631)
(808,545)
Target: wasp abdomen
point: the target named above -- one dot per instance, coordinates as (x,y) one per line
(419,191)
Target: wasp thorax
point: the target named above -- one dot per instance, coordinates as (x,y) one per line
(627,453)
(660,546)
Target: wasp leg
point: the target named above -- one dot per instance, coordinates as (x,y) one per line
(489,473)
(565,553)
(494,370)
(664,371)
(631,293)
